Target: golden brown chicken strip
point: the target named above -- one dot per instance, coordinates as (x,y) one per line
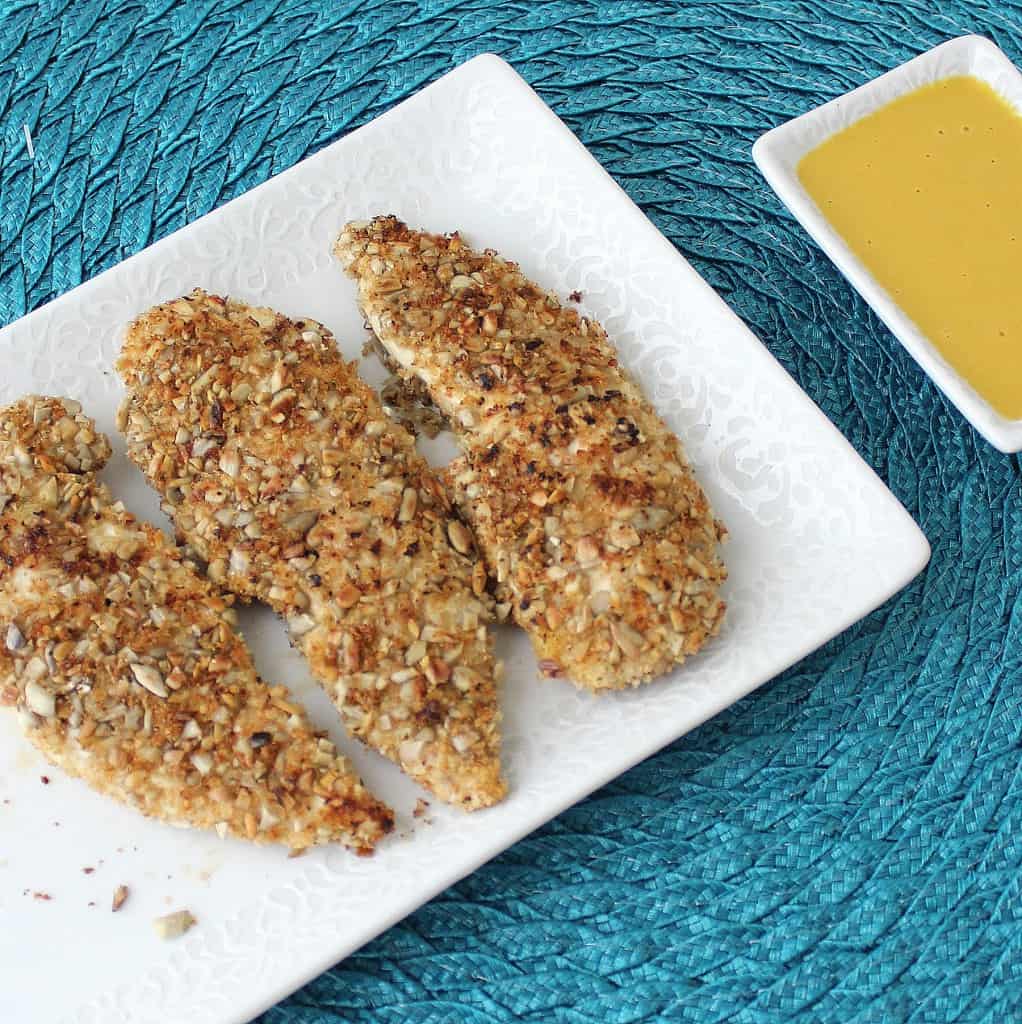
(125,668)
(281,471)
(582,500)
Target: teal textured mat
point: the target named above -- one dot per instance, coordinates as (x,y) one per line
(846,844)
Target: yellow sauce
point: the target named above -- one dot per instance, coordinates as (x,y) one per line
(927,192)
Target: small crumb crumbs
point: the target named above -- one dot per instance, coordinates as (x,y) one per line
(44,779)
(87,871)
(575,296)
(44,896)
(296,853)
(120,895)
(421,806)
(92,903)
(172,926)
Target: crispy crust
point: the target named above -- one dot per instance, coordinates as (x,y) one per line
(280,469)
(583,503)
(125,669)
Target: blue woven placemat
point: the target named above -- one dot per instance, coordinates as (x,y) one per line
(845,844)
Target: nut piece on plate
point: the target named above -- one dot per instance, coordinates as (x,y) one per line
(281,471)
(124,666)
(121,894)
(173,926)
(585,508)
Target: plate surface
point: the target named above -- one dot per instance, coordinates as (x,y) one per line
(817,542)
(778,152)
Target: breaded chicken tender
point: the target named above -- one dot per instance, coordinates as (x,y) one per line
(587,512)
(124,666)
(280,469)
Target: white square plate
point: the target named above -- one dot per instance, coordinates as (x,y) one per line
(779,151)
(817,542)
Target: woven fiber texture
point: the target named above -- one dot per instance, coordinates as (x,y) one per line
(845,844)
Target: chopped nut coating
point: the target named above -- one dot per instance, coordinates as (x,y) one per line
(295,489)
(124,666)
(582,501)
